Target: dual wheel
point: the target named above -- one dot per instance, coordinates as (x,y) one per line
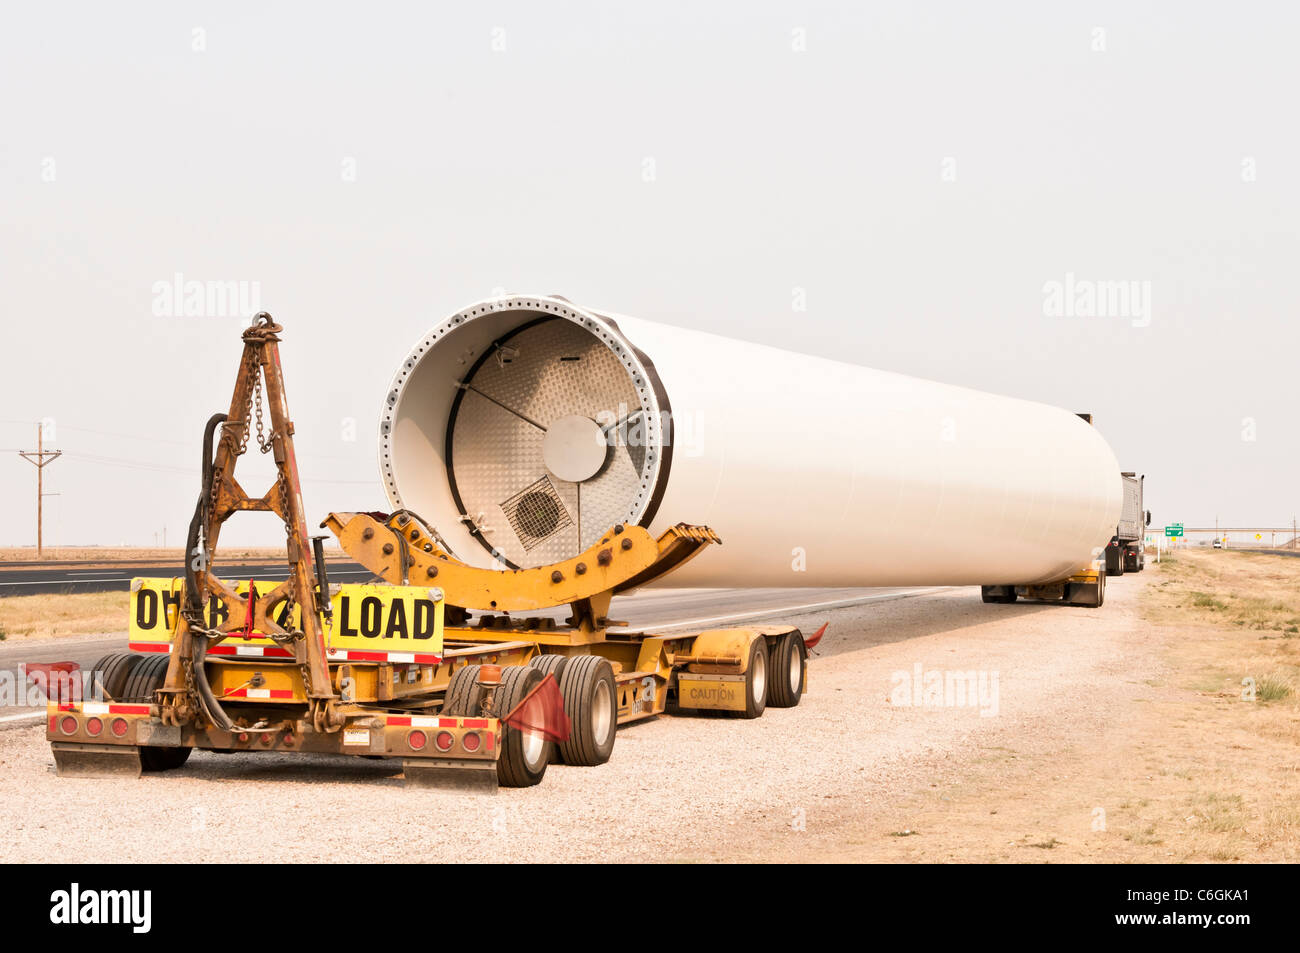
(782,666)
(774,673)
(590,700)
(132,679)
(1116,560)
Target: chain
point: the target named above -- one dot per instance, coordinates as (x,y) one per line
(255,401)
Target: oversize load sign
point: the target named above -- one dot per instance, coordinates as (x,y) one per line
(366,618)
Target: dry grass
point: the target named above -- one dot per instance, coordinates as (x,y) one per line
(23,617)
(1200,764)
(1217,587)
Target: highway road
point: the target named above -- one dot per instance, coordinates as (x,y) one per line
(109,578)
(648,610)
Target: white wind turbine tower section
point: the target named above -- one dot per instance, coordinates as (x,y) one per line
(523,427)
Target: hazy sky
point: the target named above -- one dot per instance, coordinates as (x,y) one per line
(916,176)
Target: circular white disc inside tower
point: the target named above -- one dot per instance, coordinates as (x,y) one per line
(574,448)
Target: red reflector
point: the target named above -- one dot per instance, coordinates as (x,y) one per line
(417,740)
(118,726)
(443,740)
(68,725)
(94,726)
(471,741)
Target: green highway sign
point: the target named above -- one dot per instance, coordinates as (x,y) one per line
(1175,530)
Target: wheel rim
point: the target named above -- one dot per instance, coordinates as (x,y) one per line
(534,746)
(602,712)
(796,668)
(758,672)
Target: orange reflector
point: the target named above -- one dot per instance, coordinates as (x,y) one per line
(471,741)
(444,740)
(417,740)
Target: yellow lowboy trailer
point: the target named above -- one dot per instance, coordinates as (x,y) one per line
(429,666)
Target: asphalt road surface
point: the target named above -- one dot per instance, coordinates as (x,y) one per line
(649,610)
(30,582)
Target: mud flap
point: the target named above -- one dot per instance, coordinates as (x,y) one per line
(96,761)
(478,776)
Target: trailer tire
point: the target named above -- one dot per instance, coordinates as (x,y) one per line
(591,702)
(988,595)
(113,670)
(550,664)
(553,664)
(789,666)
(523,758)
(756,680)
(147,676)
(1097,601)
(462,693)
(1114,561)
(153,758)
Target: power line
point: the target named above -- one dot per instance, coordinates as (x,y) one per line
(158,440)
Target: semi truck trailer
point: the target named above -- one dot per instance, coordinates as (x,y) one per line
(1126,552)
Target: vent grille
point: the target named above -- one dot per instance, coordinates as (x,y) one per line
(536,513)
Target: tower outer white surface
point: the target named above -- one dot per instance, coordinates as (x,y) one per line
(814,472)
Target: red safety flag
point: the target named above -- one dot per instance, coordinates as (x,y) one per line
(816,637)
(542,712)
(59,681)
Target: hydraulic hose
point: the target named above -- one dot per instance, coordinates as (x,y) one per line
(193,604)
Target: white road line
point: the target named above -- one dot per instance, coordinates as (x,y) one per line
(809,605)
(30,716)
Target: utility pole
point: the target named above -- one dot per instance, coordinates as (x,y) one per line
(42,458)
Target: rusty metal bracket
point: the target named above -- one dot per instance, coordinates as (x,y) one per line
(400,547)
(221,498)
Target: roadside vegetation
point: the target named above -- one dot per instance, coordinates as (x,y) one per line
(83,613)
(1256,592)
(1231,748)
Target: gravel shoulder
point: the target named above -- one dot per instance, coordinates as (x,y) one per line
(832,778)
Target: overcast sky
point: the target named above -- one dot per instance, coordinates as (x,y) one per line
(935,189)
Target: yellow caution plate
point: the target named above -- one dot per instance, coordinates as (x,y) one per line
(716,692)
(370,623)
